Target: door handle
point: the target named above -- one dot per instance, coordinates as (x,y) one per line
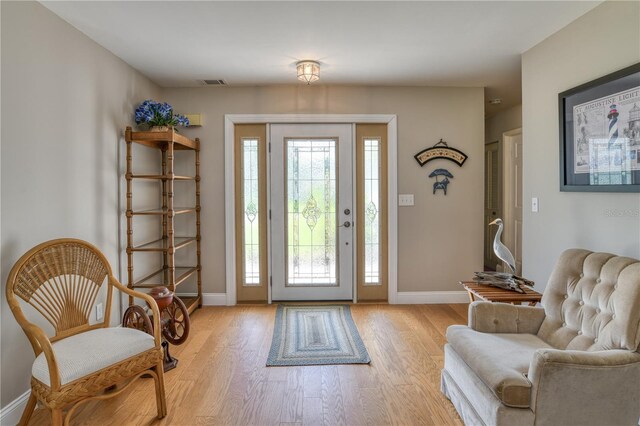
(346,224)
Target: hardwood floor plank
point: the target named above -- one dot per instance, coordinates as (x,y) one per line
(271,409)
(384,360)
(312,381)
(350,389)
(454,314)
(421,332)
(278,374)
(462,309)
(312,412)
(292,403)
(375,408)
(332,400)
(404,405)
(178,396)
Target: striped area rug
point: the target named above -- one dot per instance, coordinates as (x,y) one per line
(316,335)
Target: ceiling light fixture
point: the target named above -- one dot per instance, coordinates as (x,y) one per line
(308,71)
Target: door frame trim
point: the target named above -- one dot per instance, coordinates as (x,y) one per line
(229,194)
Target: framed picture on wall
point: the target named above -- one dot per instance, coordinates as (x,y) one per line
(600,134)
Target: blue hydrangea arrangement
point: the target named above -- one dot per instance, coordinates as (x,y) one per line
(154,113)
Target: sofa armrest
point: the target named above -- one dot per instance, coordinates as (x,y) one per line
(488,317)
(579,387)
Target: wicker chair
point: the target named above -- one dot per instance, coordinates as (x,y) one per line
(81,362)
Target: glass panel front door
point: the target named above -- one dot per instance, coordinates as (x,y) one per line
(311,212)
(311,197)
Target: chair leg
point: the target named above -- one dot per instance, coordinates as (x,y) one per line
(56,417)
(28,410)
(161,400)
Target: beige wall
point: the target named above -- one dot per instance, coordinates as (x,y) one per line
(440,238)
(65,101)
(495,126)
(600,42)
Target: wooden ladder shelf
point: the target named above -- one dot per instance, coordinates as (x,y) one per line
(169,275)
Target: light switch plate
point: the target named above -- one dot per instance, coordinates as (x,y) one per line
(534,204)
(405,200)
(99,312)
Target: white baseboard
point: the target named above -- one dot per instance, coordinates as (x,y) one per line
(431,297)
(214,299)
(10,415)
(210,299)
(403,297)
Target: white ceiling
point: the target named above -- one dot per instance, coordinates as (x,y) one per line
(431,43)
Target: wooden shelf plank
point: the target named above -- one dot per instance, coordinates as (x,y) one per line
(182,273)
(147,277)
(162,244)
(160,139)
(161,211)
(191,303)
(162,177)
(182,278)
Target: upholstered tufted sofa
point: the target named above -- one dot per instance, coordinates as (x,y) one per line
(573,362)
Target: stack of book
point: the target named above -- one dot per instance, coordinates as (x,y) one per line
(502,280)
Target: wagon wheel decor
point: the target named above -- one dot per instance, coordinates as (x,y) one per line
(135,317)
(175,322)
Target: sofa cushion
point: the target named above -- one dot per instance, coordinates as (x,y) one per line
(85,353)
(500,360)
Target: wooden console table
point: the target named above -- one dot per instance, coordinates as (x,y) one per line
(495,294)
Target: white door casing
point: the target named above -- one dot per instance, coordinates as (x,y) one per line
(311,232)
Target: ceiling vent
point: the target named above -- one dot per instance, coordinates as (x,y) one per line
(214,82)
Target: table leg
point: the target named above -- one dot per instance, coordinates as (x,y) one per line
(471,297)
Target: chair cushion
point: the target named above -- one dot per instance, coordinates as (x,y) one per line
(85,353)
(500,360)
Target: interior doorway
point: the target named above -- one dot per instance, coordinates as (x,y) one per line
(503,197)
(492,200)
(512,199)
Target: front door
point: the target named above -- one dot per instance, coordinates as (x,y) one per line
(311,196)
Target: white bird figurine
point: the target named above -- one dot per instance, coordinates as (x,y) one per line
(500,249)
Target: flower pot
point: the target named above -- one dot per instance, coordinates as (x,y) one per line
(159,128)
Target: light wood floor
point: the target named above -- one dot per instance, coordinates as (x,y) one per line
(221,378)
